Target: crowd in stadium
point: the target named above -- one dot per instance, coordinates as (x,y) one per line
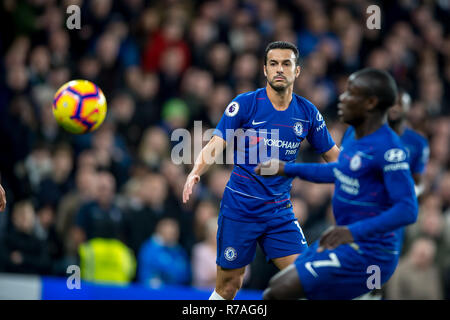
(163,65)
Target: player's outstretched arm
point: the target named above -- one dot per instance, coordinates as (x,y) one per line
(204,160)
(314,172)
(271,168)
(2,198)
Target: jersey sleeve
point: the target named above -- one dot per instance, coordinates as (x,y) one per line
(420,162)
(233,118)
(314,172)
(399,187)
(318,135)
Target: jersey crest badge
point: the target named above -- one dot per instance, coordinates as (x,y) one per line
(230,254)
(298,128)
(232,109)
(355,162)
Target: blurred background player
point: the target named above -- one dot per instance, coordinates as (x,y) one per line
(255,210)
(374,198)
(416,144)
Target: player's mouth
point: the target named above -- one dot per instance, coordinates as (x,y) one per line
(279,78)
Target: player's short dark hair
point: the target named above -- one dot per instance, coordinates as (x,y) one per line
(282,45)
(381,84)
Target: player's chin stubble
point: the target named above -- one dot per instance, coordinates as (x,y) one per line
(278,88)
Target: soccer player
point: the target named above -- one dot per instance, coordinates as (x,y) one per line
(373,199)
(415,144)
(256,209)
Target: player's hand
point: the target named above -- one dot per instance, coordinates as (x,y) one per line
(191,180)
(335,236)
(2,199)
(270,168)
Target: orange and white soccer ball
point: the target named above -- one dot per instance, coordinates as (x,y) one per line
(79,106)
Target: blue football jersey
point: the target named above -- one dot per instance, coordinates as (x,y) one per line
(263,133)
(371,175)
(417,148)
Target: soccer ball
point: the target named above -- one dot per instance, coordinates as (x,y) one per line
(79,106)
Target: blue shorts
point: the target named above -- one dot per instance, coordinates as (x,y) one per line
(345,272)
(277,237)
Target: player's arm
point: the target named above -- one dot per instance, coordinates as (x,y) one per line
(418,168)
(233,117)
(204,160)
(331,155)
(419,186)
(400,189)
(313,172)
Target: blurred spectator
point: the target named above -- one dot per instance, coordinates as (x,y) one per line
(175,114)
(122,114)
(204,257)
(154,147)
(59,182)
(107,51)
(106,261)
(70,204)
(204,212)
(433,225)
(161,259)
(169,36)
(101,218)
(111,153)
(46,231)
(151,206)
(219,59)
(36,168)
(22,251)
(416,277)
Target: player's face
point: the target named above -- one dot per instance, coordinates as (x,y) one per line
(281,70)
(351,106)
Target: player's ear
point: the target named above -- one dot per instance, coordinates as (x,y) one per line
(298,69)
(265,70)
(372,103)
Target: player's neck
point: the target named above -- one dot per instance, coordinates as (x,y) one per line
(280,99)
(369,125)
(399,127)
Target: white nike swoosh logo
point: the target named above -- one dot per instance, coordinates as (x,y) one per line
(256,123)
